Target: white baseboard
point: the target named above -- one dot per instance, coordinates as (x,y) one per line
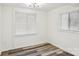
(69,51)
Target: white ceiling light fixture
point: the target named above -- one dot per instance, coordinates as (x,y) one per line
(34,4)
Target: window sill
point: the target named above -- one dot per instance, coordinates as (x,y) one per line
(22,34)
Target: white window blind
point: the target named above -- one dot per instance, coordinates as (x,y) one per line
(25,23)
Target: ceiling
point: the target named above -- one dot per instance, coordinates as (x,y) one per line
(43,6)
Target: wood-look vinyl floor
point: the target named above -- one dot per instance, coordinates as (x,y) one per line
(38,50)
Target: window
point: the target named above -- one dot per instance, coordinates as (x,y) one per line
(25,23)
(70,21)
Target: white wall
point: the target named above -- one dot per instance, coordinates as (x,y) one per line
(6,41)
(10,40)
(68,41)
(41,27)
(0,28)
